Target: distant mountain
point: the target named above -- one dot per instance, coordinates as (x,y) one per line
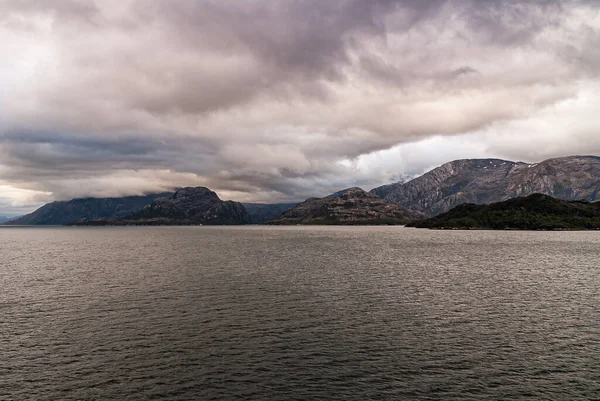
(340,192)
(4,219)
(262,212)
(352,206)
(187,206)
(67,212)
(534,212)
(492,180)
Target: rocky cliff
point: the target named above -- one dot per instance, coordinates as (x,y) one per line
(67,212)
(187,206)
(352,206)
(492,180)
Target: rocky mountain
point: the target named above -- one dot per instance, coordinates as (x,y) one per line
(67,212)
(534,212)
(262,212)
(187,206)
(492,180)
(352,206)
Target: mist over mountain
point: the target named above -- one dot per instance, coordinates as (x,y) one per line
(6,218)
(475,181)
(187,206)
(67,212)
(492,180)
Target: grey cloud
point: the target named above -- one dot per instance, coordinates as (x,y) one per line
(39,155)
(270,99)
(63,9)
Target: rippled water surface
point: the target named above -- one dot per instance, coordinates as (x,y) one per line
(345,313)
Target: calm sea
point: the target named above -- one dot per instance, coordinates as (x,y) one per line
(298,313)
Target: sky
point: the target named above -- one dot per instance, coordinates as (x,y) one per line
(279,100)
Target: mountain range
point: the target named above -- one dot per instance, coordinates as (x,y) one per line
(476,181)
(492,180)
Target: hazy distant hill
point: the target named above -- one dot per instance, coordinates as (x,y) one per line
(67,212)
(262,212)
(352,206)
(534,212)
(6,218)
(492,180)
(187,206)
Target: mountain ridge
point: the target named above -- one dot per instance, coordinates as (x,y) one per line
(71,211)
(350,207)
(482,181)
(476,181)
(187,206)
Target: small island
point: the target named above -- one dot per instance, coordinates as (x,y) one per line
(533,212)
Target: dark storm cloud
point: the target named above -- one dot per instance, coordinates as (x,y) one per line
(272,99)
(38,156)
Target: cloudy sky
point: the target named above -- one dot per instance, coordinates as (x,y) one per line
(273,100)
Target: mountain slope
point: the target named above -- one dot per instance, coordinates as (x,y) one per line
(534,212)
(492,180)
(262,212)
(67,212)
(187,206)
(352,206)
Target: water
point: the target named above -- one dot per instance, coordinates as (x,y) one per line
(344,313)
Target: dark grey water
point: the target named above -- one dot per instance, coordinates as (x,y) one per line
(301,313)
